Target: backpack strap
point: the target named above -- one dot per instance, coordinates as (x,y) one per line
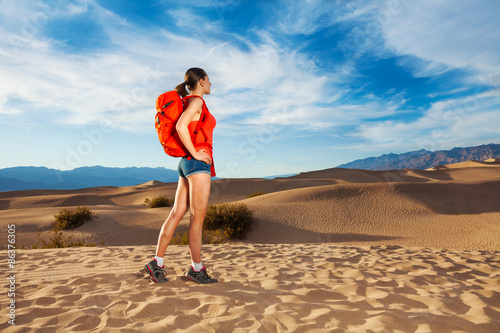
(203,116)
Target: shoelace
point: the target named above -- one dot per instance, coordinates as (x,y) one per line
(205,275)
(160,269)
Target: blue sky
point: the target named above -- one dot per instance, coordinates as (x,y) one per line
(296,85)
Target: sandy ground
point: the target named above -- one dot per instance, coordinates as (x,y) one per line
(332,251)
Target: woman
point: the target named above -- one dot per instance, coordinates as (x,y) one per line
(195,172)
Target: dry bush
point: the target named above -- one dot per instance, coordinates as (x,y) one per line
(58,240)
(161,201)
(68,219)
(256,194)
(235,219)
(207,237)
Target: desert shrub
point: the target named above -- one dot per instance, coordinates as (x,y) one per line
(68,219)
(235,219)
(161,201)
(256,194)
(207,237)
(58,240)
(180,238)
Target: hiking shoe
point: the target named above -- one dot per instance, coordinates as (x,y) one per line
(155,273)
(199,277)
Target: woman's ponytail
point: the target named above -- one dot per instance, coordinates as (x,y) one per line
(181,89)
(191,79)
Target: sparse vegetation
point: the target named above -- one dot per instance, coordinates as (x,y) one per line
(180,239)
(58,240)
(208,237)
(68,219)
(161,201)
(222,223)
(235,219)
(256,194)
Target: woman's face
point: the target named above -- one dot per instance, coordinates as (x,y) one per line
(206,85)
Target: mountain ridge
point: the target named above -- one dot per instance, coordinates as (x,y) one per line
(34,178)
(42,178)
(425,159)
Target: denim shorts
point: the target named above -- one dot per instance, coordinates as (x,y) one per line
(190,167)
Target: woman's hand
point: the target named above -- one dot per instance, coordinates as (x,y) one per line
(202,155)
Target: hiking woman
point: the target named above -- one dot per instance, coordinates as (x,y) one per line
(195,172)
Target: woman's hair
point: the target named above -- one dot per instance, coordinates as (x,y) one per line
(191,79)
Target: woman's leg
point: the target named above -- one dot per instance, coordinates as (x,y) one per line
(199,192)
(176,214)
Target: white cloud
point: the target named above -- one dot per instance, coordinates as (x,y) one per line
(208,3)
(116,84)
(446,124)
(5,109)
(339,114)
(431,38)
(185,18)
(307,17)
(456,34)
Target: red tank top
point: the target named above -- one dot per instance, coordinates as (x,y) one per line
(204,138)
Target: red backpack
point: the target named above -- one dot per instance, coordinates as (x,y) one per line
(169,107)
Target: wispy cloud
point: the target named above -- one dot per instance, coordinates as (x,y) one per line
(462,34)
(445,124)
(308,17)
(125,79)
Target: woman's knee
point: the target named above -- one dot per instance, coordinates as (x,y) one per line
(178,211)
(197,218)
(198,210)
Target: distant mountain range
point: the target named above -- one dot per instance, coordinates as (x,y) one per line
(424,159)
(31,178)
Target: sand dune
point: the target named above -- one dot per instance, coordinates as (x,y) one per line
(404,214)
(335,250)
(453,206)
(469,164)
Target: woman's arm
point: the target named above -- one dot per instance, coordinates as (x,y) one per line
(194,108)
